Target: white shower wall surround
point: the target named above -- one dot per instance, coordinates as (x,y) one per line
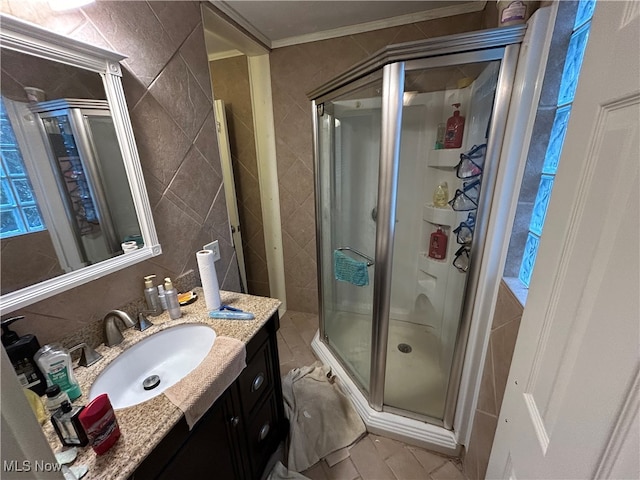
(431,323)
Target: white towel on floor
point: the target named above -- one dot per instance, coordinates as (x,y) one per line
(280,472)
(322,419)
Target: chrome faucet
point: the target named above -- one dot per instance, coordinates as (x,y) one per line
(112,332)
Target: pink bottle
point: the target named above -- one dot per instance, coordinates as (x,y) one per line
(438,244)
(454,130)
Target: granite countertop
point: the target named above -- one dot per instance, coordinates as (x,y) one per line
(142,426)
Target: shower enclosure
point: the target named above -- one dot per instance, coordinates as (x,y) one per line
(401,220)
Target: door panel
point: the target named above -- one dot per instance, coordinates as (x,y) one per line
(349,152)
(230,187)
(571,405)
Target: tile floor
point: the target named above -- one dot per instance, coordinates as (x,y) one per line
(373,457)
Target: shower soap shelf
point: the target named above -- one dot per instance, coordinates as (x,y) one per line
(436,268)
(445,157)
(440,216)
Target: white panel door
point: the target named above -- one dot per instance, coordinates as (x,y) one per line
(571,405)
(228,179)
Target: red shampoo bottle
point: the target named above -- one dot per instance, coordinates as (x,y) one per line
(454,130)
(438,244)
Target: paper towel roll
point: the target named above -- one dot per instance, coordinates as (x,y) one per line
(207,268)
(128,247)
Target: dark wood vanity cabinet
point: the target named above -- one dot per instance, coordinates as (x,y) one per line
(239,433)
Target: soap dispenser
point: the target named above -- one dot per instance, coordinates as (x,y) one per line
(171,295)
(151,296)
(21,351)
(455,129)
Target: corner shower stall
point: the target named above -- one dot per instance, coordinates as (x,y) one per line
(394,316)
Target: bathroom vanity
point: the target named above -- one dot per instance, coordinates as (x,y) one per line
(236,437)
(233,440)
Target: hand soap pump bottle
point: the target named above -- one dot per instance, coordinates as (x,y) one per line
(151,296)
(21,351)
(454,129)
(171,296)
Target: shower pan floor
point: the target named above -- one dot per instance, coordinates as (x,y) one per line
(414,380)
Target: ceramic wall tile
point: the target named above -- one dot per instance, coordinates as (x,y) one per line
(161,143)
(134,30)
(177,91)
(177,18)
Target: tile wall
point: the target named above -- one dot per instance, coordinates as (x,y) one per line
(166,80)
(296,70)
(230,80)
(504,331)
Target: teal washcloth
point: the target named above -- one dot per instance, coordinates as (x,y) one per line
(349,270)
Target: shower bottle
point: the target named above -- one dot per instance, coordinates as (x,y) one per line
(454,129)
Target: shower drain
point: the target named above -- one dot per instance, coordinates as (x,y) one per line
(404,348)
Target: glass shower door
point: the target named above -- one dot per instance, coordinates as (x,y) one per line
(439,185)
(348,152)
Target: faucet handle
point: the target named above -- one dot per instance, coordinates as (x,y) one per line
(88,356)
(143,322)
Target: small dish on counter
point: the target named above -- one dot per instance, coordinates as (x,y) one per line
(187,298)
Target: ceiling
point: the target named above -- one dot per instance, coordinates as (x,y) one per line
(281,23)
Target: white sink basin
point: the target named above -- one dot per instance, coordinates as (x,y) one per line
(170,354)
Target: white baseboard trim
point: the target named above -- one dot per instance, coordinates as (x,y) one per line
(387,424)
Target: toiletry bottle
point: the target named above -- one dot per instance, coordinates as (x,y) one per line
(54,398)
(151,296)
(68,427)
(99,422)
(454,129)
(162,297)
(21,351)
(171,295)
(55,363)
(438,244)
(440,133)
(441,195)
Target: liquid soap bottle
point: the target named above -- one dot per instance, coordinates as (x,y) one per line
(454,129)
(21,351)
(171,296)
(441,195)
(151,296)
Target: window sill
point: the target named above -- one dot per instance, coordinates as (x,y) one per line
(517,288)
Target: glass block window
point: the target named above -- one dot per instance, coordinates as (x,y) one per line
(558,131)
(568,84)
(19,213)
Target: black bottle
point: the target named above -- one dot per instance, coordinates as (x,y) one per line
(21,351)
(68,427)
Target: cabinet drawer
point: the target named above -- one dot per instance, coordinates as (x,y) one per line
(256,379)
(263,435)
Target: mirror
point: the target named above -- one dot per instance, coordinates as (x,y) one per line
(74,204)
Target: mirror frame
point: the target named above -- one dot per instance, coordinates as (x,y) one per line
(25,37)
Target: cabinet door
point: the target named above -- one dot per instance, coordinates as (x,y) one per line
(210,451)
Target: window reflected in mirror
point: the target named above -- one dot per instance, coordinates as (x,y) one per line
(66,202)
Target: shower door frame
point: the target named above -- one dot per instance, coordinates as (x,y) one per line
(499,44)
